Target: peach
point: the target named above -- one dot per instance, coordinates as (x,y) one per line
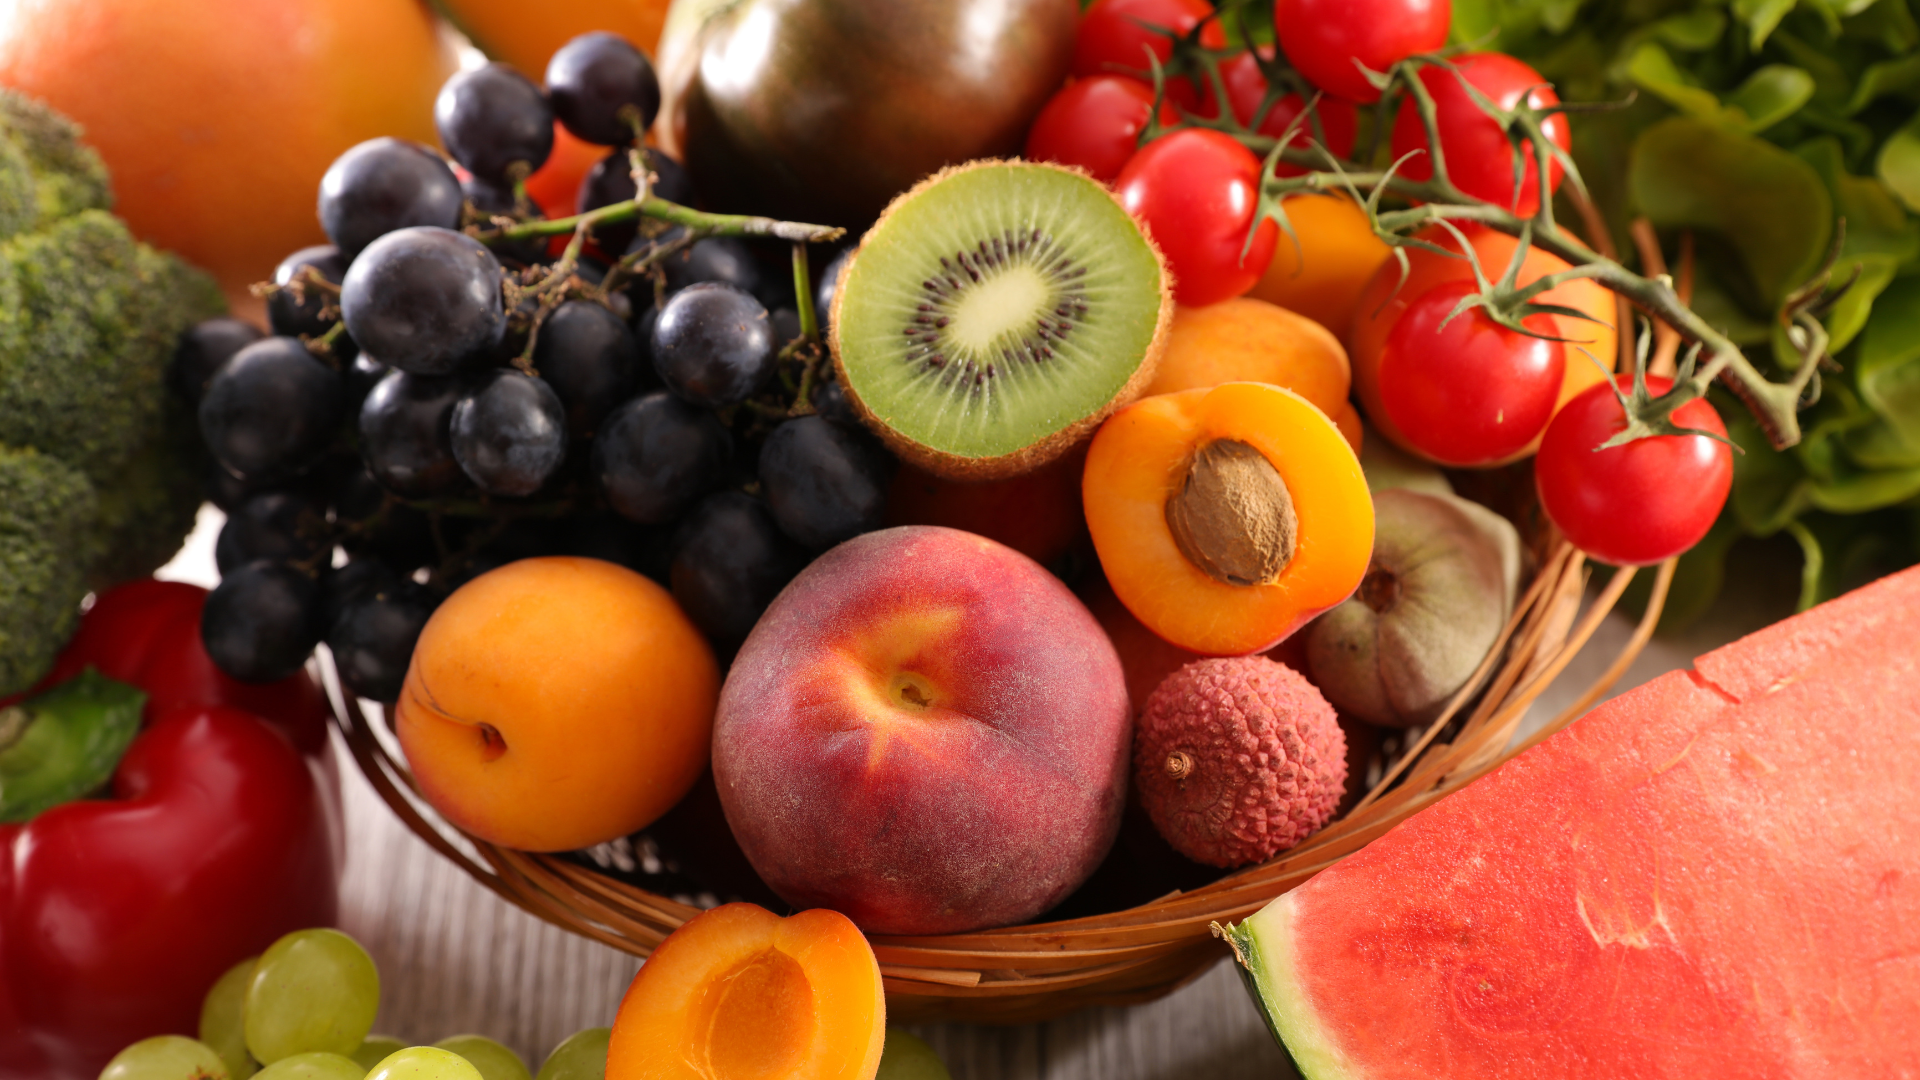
(926,732)
(557,703)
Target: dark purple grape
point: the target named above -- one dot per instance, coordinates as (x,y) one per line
(611,181)
(373,636)
(405,434)
(727,259)
(645,549)
(359,577)
(425,300)
(227,491)
(828,284)
(396,534)
(510,433)
(293,315)
(657,455)
(603,89)
(361,377)
(824,483)
(830,401)
(730,561)
(281,526)
(203,348)
(494,201)
(713,345)
(386,184)
(262,621)
(786,325)
(271,410)
(492,119)
(592,360)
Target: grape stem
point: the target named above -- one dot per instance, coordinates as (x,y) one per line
(653,206)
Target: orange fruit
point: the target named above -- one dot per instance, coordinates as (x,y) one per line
(527,35)
(1336,257)
(218,117)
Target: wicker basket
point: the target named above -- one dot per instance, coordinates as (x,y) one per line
(1029,973)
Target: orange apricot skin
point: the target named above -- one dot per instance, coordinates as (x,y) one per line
(1381,305)
(1248,340)
(1140,458)
(598,691)
(811,1007)
(1336,257)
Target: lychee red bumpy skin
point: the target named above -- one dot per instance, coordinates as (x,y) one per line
(1238,759)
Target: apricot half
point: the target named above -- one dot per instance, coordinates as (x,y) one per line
(739,993)
(1227,518)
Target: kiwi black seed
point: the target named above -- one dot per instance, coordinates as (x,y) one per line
(996,314)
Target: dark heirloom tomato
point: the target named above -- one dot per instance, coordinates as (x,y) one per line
(1195,192)
(1641,502)
(1479,157)
(823,110)
(1323,39)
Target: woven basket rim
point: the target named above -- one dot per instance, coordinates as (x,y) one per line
(1036,971)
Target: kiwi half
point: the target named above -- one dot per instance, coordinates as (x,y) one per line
(996,314)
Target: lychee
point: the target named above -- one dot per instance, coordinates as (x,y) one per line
(1238,759)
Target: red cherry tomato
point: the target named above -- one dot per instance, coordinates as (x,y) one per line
(1324,39)
(1116,35)
(1639,503)
(1095,124)
(1195,192)
(1471,392)
(1247,89)
(1479,158)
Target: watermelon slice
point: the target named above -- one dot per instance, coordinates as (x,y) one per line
(1714,875)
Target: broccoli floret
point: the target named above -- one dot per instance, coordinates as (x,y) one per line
(47,517)
(88,322)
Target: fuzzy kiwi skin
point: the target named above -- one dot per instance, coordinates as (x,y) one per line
(1030,457)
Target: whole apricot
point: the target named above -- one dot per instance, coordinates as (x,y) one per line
(218,117)
(1321,275)
(1249,340)
(557,703)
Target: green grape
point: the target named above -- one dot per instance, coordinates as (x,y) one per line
(376,1049)
(424,1063)
(321,1066)
(166,1057)
(494,1061)
(312,990)
(222,1024)
(581,1056)
(907,1057)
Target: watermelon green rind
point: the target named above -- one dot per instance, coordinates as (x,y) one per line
(1262,950)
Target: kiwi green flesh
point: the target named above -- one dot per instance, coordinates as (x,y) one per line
(1045,307)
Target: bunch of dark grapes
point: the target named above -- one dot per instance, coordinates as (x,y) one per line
(443,394)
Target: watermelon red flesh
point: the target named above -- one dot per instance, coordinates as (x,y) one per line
(1714,875)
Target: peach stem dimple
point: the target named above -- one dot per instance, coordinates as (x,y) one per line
(492,743)
(911,690)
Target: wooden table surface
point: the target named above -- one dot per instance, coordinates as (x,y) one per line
(454,958)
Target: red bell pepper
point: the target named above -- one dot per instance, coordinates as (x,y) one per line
(117,914)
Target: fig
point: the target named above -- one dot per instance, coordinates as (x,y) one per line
(824,110)
(1442,582)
